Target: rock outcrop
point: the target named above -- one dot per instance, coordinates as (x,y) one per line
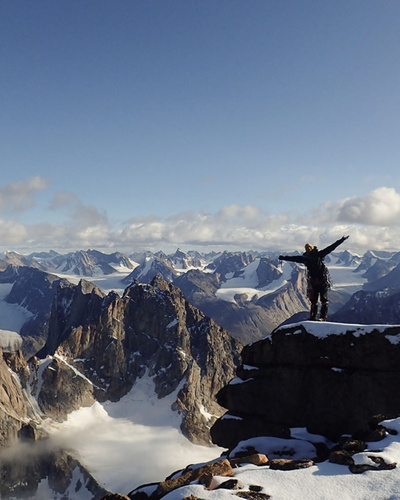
(327,377)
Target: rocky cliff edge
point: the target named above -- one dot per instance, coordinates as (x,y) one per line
(328,377)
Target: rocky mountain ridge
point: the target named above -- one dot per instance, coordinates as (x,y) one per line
(114,340)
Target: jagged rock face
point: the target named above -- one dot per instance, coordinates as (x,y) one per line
(62,390)
(69,305)
(27,456)
(13,408)
(331,384)
(114,340)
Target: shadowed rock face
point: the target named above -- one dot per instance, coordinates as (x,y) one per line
(331,382)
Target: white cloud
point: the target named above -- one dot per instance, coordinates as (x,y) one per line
(371,221)
(381,207)
(13,233)
(20,196)
(231,226)
(81,215)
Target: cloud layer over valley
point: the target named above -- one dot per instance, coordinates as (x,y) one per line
(68,223)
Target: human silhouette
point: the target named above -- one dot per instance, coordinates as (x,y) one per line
(317,275)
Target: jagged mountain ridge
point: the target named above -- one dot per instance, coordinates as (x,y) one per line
(33,464)
(114,340)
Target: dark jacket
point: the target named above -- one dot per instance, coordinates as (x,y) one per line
(314,260)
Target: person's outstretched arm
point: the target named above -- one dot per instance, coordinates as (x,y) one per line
(293,258)
(332,247)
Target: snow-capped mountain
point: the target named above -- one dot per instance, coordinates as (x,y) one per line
(92,263)
(154,264)
(79,263)
(239,290)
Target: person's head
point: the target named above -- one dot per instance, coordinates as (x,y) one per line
(309,247)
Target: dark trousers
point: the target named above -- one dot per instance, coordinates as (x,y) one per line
(318,290)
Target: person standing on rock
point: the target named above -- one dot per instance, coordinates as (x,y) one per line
(317,275)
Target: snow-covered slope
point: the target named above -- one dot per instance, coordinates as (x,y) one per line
(12,317)
(125,444)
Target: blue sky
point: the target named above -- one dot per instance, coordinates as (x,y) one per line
(199,124)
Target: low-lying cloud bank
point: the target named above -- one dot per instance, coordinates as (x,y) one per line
(372,221)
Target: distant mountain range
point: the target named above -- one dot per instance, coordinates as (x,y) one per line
(248,293)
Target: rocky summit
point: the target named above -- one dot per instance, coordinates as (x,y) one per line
(330,378)
(112,341)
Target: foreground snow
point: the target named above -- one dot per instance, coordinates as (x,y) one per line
(324,481)
(325,328)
